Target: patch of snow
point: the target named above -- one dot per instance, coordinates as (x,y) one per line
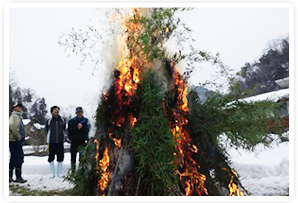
(254,68)
(36,170)
(272,96)
(26,121)
(265,171)
(239,78)
(269,96)
(261,180)
(38,126)
(45,182)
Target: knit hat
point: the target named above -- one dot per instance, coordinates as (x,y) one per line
(79,109)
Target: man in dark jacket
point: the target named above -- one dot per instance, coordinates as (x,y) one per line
(55,128)
(16,139)
(78,129)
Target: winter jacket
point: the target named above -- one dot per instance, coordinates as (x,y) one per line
(75,135)
(16,127)
(55,128)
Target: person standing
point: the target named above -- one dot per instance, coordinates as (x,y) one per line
(55,128)
(16,139)
(78,130)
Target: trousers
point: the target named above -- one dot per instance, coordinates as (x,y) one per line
(56,149)
(16,154)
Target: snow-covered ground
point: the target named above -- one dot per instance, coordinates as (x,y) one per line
(36,170)
(263,172)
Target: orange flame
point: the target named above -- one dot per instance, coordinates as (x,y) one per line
(103,168)
(194,181)
(105,174)
(97,146)
(234,191)
(116,141)
(126,82)
(130,64)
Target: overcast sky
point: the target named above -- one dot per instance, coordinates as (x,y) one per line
(239,34)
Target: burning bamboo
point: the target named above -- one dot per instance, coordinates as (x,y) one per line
(121,115)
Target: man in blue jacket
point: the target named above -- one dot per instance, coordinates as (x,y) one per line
(55,130)
(78,130)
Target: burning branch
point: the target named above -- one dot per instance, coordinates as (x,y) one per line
(193,180)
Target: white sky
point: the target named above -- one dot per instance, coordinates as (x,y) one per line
(240,35)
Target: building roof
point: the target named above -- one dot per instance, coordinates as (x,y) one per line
(283,83)
(272,96)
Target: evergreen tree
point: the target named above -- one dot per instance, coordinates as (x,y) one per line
(260,77)
(39,111)
(18,95)
(11,100)
(25,96)
(28,96)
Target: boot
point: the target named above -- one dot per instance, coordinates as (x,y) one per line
(10,175)
(19,175)
(73,167)
(59,172)
(52,167)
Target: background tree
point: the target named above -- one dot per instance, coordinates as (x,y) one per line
(28,95)
(11,101)
(39,111)
(259,77)
(68,112)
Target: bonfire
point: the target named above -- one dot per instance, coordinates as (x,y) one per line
(148,140)
(121,112)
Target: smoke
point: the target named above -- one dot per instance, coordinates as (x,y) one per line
(111,56)
(162,72)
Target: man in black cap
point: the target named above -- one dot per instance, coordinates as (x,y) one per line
(78,129)
(16,139)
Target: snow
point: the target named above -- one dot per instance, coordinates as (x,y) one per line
(265,171)
(272,96)
(26,121)
(269,96)
(36,170)
(38,126)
